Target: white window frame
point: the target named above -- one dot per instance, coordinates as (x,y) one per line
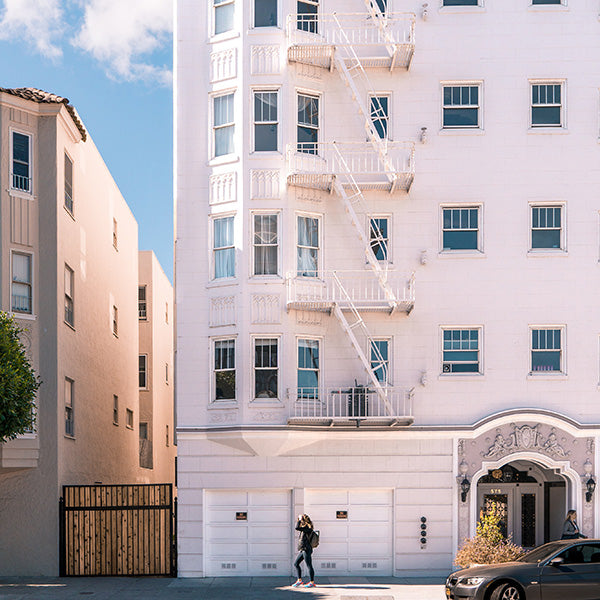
(316,3)
(143,302)
(213,249)
(261,27)
(470,84)
(69,297)
(277,339)
(462,206)
(450,373)
(213,127)
(266,90)
(213,371)
(462,6)
(146,371)
(562,3)
(115,410)
(129,420)
(69,406)
(320,387)
(258,213)
(388,117)
(15,190)
(562,350)
(319,97)
(213,20)
(16,313)
(319,219)
(563,102)
(389,259)
(563,228)
(70,210)
(387,381)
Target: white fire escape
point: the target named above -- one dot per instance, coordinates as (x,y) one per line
(349,44)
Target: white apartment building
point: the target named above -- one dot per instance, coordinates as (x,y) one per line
(387,243)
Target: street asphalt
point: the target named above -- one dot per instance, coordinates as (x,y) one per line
(222,588)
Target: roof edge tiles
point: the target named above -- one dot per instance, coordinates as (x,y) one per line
(42,97)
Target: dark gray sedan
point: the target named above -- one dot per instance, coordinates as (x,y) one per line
(565,570)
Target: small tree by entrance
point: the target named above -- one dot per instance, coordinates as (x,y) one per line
(18,382)
(488,546)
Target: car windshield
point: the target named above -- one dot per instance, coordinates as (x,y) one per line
(542,553)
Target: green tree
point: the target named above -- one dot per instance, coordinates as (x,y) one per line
(18,382)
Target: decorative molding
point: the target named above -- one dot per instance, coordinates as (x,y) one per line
(265,416)
(223,188)
(265,60)
(309,71)
(223,65)
(222,311)
(265,183)
(222,416)
(266,308)
(307,317)
(20,220)
(526,437)
(304,195)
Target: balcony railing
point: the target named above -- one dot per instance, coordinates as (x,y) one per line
(20,182)
(313,39)
(321,292)
(356,406)
(315,165)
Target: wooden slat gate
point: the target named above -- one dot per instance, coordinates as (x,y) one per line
(118,530)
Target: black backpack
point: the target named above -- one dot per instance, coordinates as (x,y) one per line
(313,538)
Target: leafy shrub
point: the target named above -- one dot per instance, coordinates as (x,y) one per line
(18,382)
(488,546)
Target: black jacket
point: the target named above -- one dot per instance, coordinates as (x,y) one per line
(571,530)
(304,539)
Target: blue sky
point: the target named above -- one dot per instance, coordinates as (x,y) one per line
(113,60)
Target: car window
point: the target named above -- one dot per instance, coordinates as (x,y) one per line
(582,553)
(542,553)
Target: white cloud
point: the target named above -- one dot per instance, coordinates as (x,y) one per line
(37,22)
(120,33)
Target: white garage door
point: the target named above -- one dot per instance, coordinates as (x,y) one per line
(259,545)
(361,543)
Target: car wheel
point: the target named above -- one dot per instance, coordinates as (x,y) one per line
(507,591)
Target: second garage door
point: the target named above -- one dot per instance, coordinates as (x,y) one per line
(356,531)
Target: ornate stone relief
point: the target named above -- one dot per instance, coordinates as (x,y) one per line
(222,311)
(526,437)
(307,317)
(223,65)
(265,60)
(266,308)
(222,416)
(223,188)
(266,416)
(265,183)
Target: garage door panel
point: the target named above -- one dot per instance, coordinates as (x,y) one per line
(331,566)
(269,566)
(370,549)
(323,513)
(370,566)
(325,497)
(268,498)
(266,534)
(336,530)
(273,515)
(266,549)
(369,497)
(227,567)
(228,549)
(332,548)
(228,497)
(369,531)
(223,514)
(232,533)
(370,513)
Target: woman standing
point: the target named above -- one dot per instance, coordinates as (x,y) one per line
(305,527)
(570,527)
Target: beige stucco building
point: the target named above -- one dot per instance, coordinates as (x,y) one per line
(69,275)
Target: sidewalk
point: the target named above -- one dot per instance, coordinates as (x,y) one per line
(222,588)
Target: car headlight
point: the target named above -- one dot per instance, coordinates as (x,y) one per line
(471,580)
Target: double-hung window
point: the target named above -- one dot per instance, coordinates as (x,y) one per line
(224,370)
(380,114)
(461,2)
(546,227)
(379,237)
(21,290)
(21,162)
(224,125)
(266,244)
(308,247)
(266,371)
(143,372)
(69,293)
(223,15)
(461,351)
(541,2)
(115,409)
(546,350)
(380,360)
(546,104)
(69,402)
(308,368)
(68,184)
(307,18)
(142,305)
(460,228)
(461,106)
(308,124)
(265,121)
(223,248)
(265,13)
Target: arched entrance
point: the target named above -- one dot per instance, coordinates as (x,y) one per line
(533,500)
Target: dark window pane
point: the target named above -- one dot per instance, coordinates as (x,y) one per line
(265,13)
(382,5)
(465,368)
(545,361)
(546,1)
(545,116)
(265,138)
(21,147)
(447,95)
(307,139)
(460,356)
(549,238)
(307,17)
(225,385)
(308,379)
(265,383)
(265,260)
(460,117)
(460,2)
(460,240)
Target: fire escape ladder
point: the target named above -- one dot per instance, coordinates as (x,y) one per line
(381,20)
(358,323)
(352,199)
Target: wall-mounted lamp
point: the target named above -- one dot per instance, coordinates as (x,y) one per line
(423,136)
(591,488)
(465,486)
(424,11)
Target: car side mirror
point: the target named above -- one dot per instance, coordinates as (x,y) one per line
(557,561)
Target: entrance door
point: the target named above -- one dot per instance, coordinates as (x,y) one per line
(520,506)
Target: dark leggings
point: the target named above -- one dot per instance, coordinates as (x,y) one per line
(306,556)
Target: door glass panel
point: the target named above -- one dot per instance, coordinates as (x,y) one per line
(528,520)
(501,502)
